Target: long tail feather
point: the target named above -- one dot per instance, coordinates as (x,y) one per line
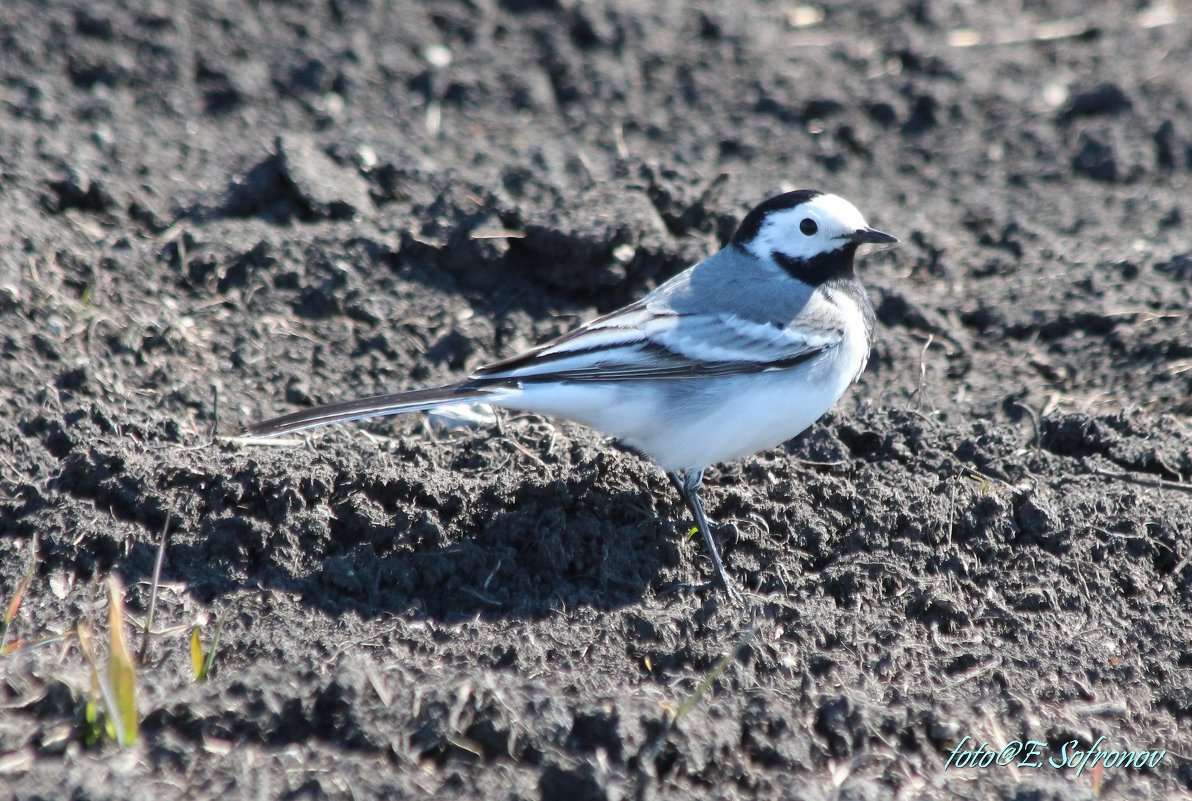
(395,403)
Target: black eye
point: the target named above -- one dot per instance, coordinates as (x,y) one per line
(808,226)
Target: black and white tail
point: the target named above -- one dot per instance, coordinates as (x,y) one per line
(416,400)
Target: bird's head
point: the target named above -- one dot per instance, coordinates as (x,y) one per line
(811,235)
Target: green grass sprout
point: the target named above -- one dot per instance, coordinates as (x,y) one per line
(201,662)
(114,693)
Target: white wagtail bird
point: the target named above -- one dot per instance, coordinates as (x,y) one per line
(734,355)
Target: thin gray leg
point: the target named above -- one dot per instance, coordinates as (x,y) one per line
(688,487)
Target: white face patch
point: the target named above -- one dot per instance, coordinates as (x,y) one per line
(788,231)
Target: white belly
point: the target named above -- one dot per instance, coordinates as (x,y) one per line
(756,412)
(688,424)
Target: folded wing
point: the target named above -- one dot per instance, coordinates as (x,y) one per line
(639,343)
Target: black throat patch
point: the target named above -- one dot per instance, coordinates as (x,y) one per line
(820,269)
(833,270)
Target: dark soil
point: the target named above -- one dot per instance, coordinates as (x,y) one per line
(212,212)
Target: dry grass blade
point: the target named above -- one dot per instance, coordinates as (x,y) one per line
(14,604)
(276,442)
(653,747)
(1151,481)
(5,646)
(161,553)
(122,674)
(714,674)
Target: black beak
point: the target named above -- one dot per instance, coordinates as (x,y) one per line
(872,236)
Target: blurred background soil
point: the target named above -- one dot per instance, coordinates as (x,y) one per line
(216,211)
